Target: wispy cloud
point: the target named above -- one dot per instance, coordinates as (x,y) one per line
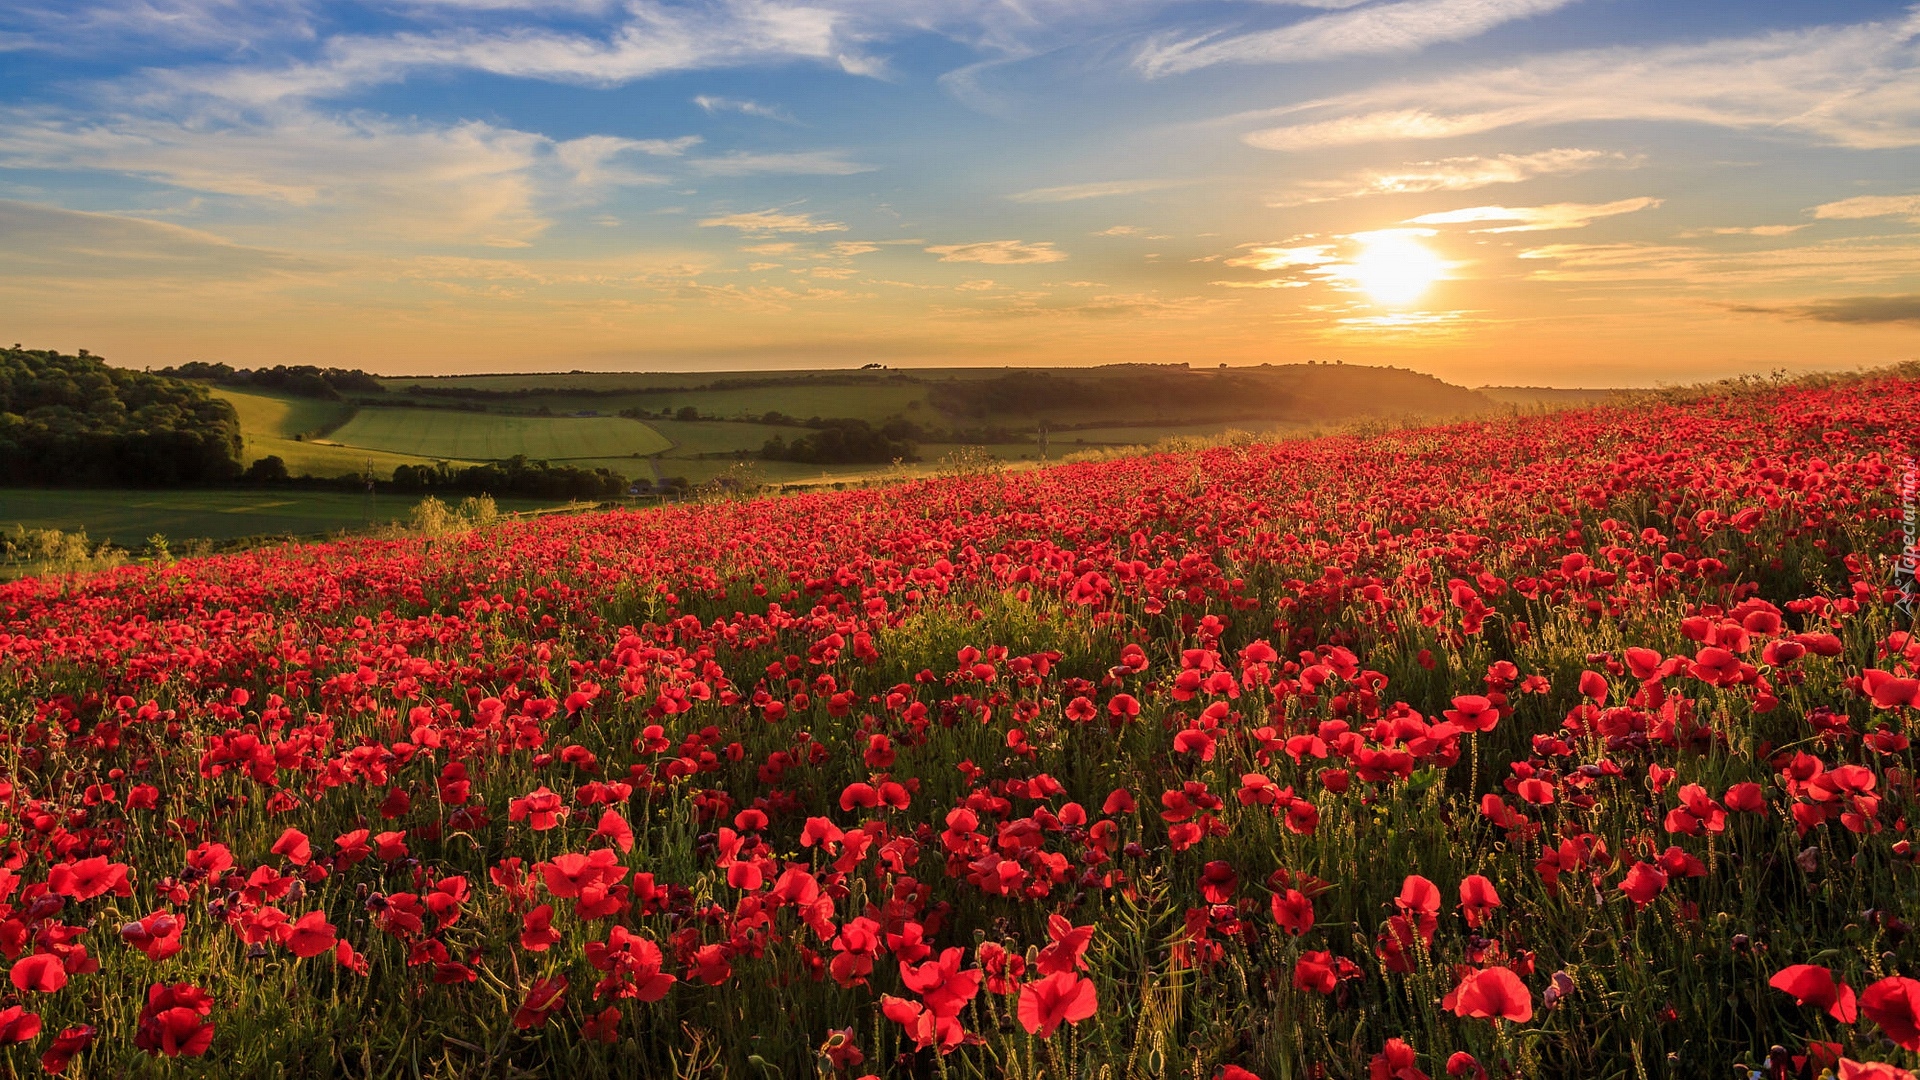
(999,252)
(803,163)
(1855,85)
(1849,310)
(1871,206)
(1098,189)
(1402,27)
(1536,218)
(468,182)
(710,105)
(1871,262)
(1742,230)
(1455,174)
(768,222)
(50,242)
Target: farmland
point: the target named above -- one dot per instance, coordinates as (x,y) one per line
(464,436)
(270,422)
(1541,746)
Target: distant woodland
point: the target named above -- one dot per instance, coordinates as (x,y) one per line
(301,380)
(72,420)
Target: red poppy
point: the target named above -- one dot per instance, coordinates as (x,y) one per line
(1063,997)
(293,844)
(310,935)
(1293,910)
(1643,882)
(1477,899)
(41,973)
(66,1046)
(1816,986)
(1495,993)
(1894,1004)
(542,1000)
(1395,1061)
(18,1025)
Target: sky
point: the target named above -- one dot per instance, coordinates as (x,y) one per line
(1536,192)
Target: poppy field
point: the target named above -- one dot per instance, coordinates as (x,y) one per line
(1549,746)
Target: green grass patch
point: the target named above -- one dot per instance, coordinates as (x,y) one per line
(450,435)
(270,422)
(127,518)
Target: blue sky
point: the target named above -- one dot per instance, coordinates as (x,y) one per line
(1550,191)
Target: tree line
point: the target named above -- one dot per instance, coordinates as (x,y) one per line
(300,380)
(74,421)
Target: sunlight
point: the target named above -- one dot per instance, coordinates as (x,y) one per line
(1394,268)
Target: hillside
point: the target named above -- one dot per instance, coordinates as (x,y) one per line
(1558,744)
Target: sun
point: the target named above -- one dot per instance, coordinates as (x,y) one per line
(1394,267)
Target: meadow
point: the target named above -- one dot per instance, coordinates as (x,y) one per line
(1537,746)
(127,518)
(446,435)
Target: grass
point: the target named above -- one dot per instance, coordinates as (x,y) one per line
(450,435)
(128,518)
(269,422)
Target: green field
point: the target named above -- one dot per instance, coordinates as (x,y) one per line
(269,422)
(128,518)
(449,435)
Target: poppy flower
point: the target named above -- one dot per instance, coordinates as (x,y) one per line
(18,1025)
(1643,882)
(157,935)
(1871,1070)
(66,1046)
(293,844)
(1493,994)
(1894,1004)
(1395,1061)
(941,984)
(1293,911)
(1812,985)
(310,935)
(1046,1003)
(542,1000)
(40,973)
(1463,1064)
(1472,712)
(174,1023)
(1477,898)
(604,1026)
(88,878)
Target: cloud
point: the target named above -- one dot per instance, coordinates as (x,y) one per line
(591,157)
(1850,310)
(805,163)
(1860,262)
(711,105)
(1097,190)
(1742,230)
(999,252)
(768,222)
(1855,85)
(1871,206)
(1455,174)
(1280,258)
(52,242)
(1403,27)
(465,183)
(1536,218)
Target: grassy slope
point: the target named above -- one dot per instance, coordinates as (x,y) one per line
(269,422)
(438,433)
(127,518)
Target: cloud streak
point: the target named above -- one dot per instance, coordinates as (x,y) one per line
(999,252)
(1455,174)
(1536,218)
(1855,86)
(1850,310)
(1402,27)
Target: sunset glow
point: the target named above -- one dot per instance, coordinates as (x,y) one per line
(1638,190)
